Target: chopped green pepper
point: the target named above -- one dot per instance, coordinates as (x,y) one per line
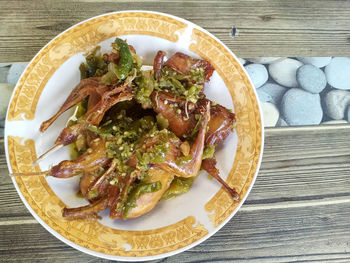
(178,186)
(79,110)
(162,122)
(109,77)
(95,66)
(184,159)
(208,152)
(190,86)
(145,84)
(136,192)
(92,194)
(125,61)
(154,154)
(196,128)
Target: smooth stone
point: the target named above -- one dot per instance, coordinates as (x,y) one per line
(338,73)
(284,72)
(281,123)
(15,72)
(275,91)
(263,96)
(348,114)
(264,60)
(334,122)
(5,95)
(258,74)
(5,65)
(2,132)
(311,78)
(299,107)
(242,60)
(336,102)
(3,74)
(319,62)
(270,114)
(2,123)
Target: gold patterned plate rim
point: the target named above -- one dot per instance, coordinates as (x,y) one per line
(90,236)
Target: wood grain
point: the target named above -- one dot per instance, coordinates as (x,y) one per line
(265,28)
(298,210)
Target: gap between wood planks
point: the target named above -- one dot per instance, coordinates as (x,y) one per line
(19,222)
(294,204)
(313,128)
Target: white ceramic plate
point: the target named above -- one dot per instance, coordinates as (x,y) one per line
(174,225)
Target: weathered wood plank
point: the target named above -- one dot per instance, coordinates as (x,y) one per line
(304,163)
(297,211)
(307,234)
(266,28)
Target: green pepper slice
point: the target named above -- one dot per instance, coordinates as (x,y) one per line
(125,61)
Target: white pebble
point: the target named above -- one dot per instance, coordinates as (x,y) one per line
(338,73)
(270,114)
(284,72)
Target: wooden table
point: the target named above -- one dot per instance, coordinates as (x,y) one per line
(299,208)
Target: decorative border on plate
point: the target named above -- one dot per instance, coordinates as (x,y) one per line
(81,38)
(90,233)
(248,127)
